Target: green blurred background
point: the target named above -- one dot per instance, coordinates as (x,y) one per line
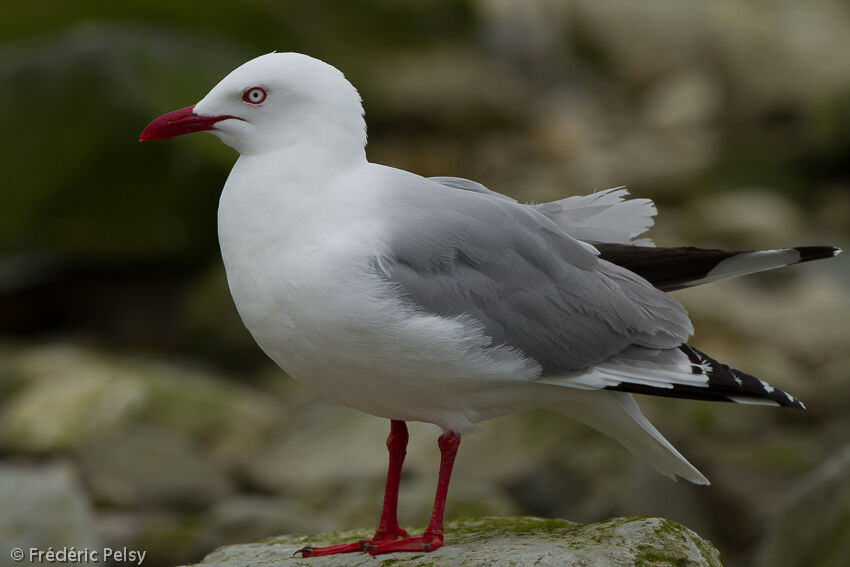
(135,409)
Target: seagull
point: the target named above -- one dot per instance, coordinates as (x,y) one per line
(438,300)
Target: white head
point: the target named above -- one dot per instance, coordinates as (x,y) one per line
(273,102)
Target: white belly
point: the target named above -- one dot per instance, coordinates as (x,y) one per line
(357,344)
(305,284)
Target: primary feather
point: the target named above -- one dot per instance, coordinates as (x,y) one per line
(670,269)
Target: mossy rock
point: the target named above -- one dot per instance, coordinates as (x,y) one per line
(65,396)
(496,542)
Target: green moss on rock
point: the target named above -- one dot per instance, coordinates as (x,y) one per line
(496,542)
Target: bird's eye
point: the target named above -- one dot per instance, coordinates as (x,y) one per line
(254,95)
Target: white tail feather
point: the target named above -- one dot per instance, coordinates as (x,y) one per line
(617,415)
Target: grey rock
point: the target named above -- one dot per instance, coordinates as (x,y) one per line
(149,467)
(90,394)
(43,506)
(498,542)
(166,537)
(306,455)
(242,519)
(84,397)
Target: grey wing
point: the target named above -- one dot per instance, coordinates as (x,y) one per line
(469,185)
(532,287)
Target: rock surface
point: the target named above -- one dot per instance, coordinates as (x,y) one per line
(144,467)
(91,394)
(43,506)
(496,542)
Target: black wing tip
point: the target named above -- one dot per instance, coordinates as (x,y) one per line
(781,399)
(808,253)
(725,384)
(735,385)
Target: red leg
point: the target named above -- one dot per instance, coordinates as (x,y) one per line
(433,536)
(397,446)
(388,529)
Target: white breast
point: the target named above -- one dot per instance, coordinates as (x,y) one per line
(301,265)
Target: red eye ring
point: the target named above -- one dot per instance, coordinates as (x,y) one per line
(254,95)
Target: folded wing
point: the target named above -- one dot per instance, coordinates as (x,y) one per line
(533,287)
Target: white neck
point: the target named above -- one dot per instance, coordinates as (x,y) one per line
(268,199)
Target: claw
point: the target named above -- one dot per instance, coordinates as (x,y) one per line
(304,551)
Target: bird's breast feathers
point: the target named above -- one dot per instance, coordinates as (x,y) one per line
(316,303)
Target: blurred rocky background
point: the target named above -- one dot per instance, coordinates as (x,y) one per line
(136,411)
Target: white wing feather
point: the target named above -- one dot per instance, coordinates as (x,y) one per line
(604,216)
